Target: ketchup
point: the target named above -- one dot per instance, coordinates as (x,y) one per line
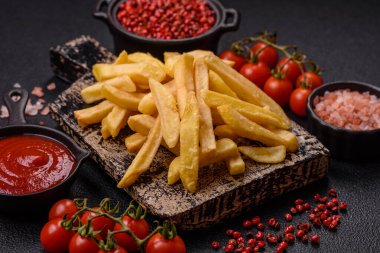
(32,163)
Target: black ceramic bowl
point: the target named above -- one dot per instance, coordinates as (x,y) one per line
(125,40)
(345,144)
(17,126)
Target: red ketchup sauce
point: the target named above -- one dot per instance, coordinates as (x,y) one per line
(32,163)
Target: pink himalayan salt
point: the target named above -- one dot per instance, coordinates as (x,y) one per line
(349,109)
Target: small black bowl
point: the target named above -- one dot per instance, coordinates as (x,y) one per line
(345,144)
(33,202)
(125,40)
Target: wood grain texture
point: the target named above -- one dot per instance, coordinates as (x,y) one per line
(220,196)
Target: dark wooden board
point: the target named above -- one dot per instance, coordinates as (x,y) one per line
(220,196)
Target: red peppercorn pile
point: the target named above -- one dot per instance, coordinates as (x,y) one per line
(166,19)
(324,212)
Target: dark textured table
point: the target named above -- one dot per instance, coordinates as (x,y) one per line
(342,36)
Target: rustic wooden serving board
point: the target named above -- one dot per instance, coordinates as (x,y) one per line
(220,195)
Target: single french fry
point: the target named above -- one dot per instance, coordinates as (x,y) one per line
(123,99)
(134,142)
(141,57)
(170,58)
(249,129)
(94,114)
(123,83)
(116,120)
(216,118)
(104,130)
(225,131)
(141,123)
(173,172)
(235,165)
(189,144)
(206,131)
(262,118)
(198,53)
(225,149)
(122,58)
(92,93)
(147,104)
(288,136)
(215,99)
(167,109)
(183,77)
(243,87)
(265,154)
(218,85)
(144,157)
(139,72)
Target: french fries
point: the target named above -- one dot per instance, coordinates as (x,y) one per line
(93,115)
(116,120)
(123,99)
(189,143)
(265,154)
(249,129)
(214,99)
(168,112)
(183,78)
(144,157)
(244,88)
(206,131)
(92,93)
(134,142)
(176,104)
(218,85)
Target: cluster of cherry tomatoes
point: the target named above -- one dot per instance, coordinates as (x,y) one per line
(75,228)
(289,80)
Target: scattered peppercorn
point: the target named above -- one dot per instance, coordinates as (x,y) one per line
(247,224)
(314,239)
(215,245)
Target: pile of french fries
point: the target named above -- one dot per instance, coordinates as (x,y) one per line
(194,104)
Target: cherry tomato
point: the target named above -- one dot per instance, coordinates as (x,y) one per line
(118,249)
(268,55)
(290,69)
(81,244)
(139,227)
(298,100)
(231,56)
(256,73)
(158,244)
(62,207)
(55,238)
(278,89)
(311,79)
(100,223)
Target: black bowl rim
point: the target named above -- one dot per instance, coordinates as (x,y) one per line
(111,13)
(331,87)
(79,158)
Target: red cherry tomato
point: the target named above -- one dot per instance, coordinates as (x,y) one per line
(118,249)
(100,223)
(231,56)
(278,89)
(55,238)
(158,244)
(256,73)
(139,227)
(311,79)
(62,207)
(298,101)
(290,69)
(80,244)
(268,55)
